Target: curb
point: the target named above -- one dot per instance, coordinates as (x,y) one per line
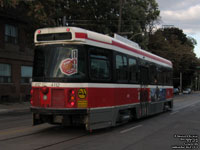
(12,111)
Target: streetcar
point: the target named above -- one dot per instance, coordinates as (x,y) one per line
(81,77)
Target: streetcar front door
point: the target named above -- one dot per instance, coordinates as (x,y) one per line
(144,94)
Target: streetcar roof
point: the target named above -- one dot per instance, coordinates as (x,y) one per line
(74,34)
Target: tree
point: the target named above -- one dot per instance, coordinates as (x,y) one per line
(139,16)
(173,44)
(9,3)
(97,15)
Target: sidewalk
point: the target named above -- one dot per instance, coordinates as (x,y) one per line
(14,107)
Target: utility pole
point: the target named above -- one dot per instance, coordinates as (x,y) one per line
(64,21)
(181,82)
(120,16)
(198,82)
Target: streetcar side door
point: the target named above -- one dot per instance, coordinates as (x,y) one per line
(144,94)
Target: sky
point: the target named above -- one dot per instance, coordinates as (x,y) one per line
(184,14)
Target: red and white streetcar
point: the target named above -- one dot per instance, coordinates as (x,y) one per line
(83,77)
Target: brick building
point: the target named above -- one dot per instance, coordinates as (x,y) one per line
(16,57)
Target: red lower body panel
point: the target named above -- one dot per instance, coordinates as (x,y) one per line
(92,97)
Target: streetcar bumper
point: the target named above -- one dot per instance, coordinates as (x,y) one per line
(58,115)
(50,111)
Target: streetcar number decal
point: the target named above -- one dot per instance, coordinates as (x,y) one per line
(82,93)
(82,104)
(55,84)
(69,66)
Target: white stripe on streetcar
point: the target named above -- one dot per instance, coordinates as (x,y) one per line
(93,85)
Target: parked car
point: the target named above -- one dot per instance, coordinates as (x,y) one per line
(187,91)
(176,91)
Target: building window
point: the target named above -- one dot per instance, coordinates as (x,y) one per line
(26,74)
(5,73)
(11,34)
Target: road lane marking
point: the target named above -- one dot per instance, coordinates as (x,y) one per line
(186,106)
(7,132)
(174,112)
(22,129)
(126,130)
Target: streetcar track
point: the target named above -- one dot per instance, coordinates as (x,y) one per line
(21,136)
(60,142)
(15,119)
(15,114)
(19,120)
(24,125)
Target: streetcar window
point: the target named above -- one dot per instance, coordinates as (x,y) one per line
(165,76)
(59,63)
(132,69)
(99,69)
(168,76)
(121,68)
(99,65)
(160,75)
(144,75)
(153,74)
(54,36)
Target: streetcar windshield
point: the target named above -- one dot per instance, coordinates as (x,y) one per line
(59,63)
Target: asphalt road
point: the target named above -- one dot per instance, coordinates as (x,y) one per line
(178,129)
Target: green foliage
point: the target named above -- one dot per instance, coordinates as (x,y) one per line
(9,3)
(173,44)
(139,16)
(97,15)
